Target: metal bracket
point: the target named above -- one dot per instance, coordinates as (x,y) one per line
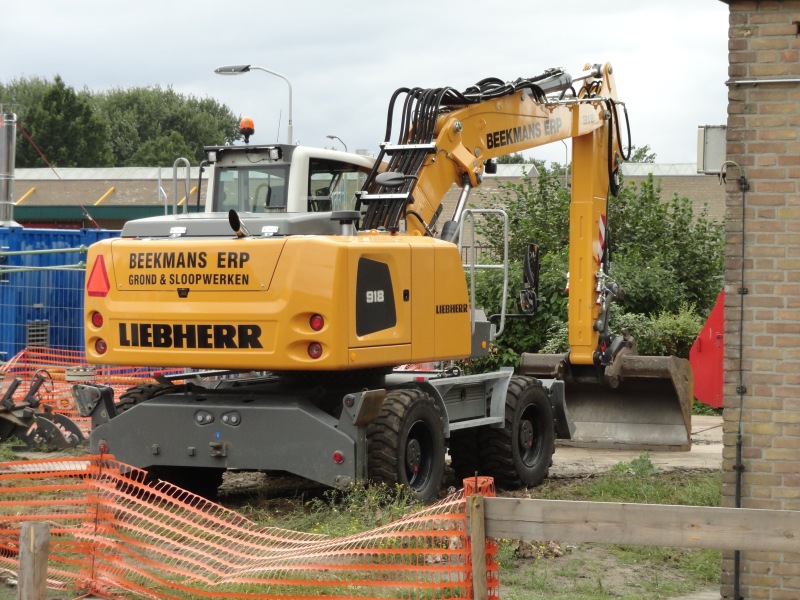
(96,401)
(364,407)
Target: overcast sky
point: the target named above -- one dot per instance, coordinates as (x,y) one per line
(344,59)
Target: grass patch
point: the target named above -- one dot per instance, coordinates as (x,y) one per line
(699,408)
(598,572)
(7,453)
(637,481)
(334,512)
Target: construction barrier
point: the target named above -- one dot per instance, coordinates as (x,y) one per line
(42,273)
(115,535)
(62,369)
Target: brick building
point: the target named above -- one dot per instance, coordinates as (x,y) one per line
(762,285)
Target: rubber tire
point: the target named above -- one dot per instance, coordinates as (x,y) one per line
(406,444)
(138,394)
(465,458)
(520,453)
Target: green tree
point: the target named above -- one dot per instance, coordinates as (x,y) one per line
(19,95)
(663,253)
(141,117)
(65,127)
(641,154)
(668,259)
(538,211)
(162,150)
(511,159)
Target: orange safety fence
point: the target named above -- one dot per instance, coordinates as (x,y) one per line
(115,536)
(64,368)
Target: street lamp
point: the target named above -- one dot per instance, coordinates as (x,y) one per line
(336,137)
(239,69)
(566,162)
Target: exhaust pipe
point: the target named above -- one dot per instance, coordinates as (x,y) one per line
(8,144)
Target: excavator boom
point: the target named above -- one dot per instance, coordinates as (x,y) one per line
(446,137)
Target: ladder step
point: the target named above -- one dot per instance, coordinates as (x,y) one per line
(372,197)
(389,148)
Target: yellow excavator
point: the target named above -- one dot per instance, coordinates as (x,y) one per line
(301,328)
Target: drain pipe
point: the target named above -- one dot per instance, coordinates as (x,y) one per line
(741,389)
(8,144)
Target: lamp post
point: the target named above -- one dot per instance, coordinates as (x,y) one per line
(336,137)
(239,69)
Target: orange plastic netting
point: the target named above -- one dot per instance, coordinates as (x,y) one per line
(117,537)
(61,369)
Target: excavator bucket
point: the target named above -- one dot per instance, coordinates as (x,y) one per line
(641,402)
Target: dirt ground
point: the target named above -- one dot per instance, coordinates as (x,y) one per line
(590,563)
(706,453)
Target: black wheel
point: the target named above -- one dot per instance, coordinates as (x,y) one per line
(465,458)
(520,453)
(406,444)
(141,393)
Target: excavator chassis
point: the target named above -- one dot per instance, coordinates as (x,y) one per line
(637,402)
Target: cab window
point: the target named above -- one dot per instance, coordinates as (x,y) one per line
(254,189)
(332,184)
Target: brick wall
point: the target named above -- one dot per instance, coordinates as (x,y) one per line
(762,374)
(703,190)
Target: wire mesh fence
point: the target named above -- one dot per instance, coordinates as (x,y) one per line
(41,287)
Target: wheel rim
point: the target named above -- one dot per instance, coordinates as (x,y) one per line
(418,456)
(529,436)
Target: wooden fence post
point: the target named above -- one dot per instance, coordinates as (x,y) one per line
(477,535)
(34,544)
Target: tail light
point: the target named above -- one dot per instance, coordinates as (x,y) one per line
(315,350)
(338,457)
(97,319)
(100,346)
(316,322)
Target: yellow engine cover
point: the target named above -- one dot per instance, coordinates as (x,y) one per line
(248,303)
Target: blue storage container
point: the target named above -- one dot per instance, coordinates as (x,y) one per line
(41,294)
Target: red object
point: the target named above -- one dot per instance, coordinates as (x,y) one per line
(707,355)
(97,284)
(97,319)
(316,322)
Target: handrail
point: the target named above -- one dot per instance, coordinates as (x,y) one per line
(187,166)
(469,214)
(82,249)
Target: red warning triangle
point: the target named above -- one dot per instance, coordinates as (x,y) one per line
(97,284)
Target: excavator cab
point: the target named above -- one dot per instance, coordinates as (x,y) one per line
(283,179)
